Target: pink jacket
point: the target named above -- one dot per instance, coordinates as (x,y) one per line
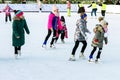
(7,10)
(50,22)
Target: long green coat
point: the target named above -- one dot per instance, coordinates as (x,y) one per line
(18,35)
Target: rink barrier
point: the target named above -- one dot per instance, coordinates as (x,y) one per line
(62,7)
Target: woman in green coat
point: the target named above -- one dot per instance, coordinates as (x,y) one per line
(18,36)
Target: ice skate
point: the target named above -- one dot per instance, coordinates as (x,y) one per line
(97,60)
(62,41)
(19,52)
(44,46)
(52,46)
(16,56)
(72,58)
(81,56)
(91,60)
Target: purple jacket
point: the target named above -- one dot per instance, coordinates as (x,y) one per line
(54,22)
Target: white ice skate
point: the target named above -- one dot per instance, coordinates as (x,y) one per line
(81,56)
(91,60)
(19,52)
(52,46)
(97,60)
(44,46)
(16,56)
(72,58)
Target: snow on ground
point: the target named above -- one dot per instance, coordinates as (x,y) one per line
(37,63)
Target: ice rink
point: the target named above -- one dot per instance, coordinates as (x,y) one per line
(37,63)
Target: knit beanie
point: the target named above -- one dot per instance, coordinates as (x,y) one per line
(62,19)
(54,7)
(18,13)
(83,16)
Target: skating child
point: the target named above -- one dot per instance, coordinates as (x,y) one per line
(63,32)
(18,35)
(80,7)
(39,5)
(7,11)
(97,41)
(53,25)
(80,36)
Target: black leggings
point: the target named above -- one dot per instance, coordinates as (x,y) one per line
(6,17)
(48,35)
(103,13)
(76,46)
(17,48)
(62,35)
(99,52)
(53,38)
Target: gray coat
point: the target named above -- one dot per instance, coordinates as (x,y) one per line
(99,36)
(81,30)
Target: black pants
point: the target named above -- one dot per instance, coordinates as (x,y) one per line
(16,49)
(62,35)
(103,13)
(98,54)
(48,35)
(76,46)
(54,37)
(6,17)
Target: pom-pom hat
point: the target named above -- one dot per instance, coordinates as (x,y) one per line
(18,13)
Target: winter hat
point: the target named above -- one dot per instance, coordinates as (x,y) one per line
(18,13)
(54,10)
(62,19)
(83,16)
(54,7)
(81,10)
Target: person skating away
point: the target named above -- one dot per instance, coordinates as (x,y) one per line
(68,8)
(80,36)
(39,5)
(80,7)
(103,8)
(63,32)
(97,41)
(7,11)
(94,9)
(53,25)
(18,35)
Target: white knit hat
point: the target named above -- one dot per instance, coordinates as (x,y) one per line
(54,7)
